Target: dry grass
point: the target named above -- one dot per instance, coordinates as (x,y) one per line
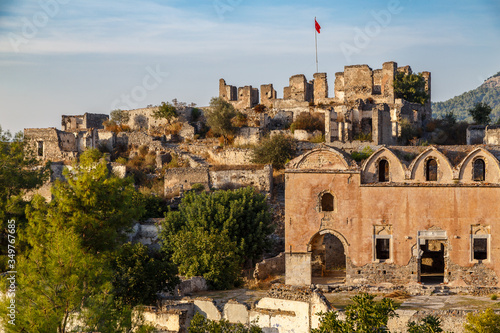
(254,284)
(398,294)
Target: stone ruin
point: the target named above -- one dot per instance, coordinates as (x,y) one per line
(364,102)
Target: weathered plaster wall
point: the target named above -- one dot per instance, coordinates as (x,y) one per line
(407,207)
(491,135)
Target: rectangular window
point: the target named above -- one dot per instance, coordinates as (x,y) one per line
(382,248)
(479,248)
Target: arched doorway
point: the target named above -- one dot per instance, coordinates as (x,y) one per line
(328,259)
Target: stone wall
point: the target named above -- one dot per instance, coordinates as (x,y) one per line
(443,210)
(182,179)
(247,135)
(491,135)
(147,233)
(106,139)
(359,93)
(86,121)
(47,144)
(238,176)
(142,119)
(270,267)
(94,120)
(70,123)
(138,139)
(285,309)
(231,156)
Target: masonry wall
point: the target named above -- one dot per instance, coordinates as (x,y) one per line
(491,135)
(408,209)
(182,179)
(260,178)
(94,120)
(476,134)
(46,144)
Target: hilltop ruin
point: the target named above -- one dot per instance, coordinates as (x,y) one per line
(364,103)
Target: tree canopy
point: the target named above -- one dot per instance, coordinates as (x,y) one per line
(480,113)
(219,116)
(20,172)
(364,315)
(120,117)
(223,229)
(75,267)
(165,111)
(486,321)
(99,206)
(410,87)
(276,150)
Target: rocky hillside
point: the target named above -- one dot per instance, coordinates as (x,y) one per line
(488,92)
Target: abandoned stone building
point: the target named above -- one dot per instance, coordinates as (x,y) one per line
(406,214)
(364,103)
(78,133)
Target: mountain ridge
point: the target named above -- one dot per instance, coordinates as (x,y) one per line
(488,92)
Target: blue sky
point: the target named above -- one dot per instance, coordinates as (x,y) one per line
(71,56)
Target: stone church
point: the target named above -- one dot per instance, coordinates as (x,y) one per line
(406,214)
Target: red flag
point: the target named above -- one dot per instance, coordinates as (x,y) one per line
(317,26)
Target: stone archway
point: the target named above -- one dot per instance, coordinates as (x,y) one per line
(328,258)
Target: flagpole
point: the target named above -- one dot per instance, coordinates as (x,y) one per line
(316,43)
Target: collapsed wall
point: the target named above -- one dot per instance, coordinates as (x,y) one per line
(178,180)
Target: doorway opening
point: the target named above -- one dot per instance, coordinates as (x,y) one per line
(432,263)
(328,259)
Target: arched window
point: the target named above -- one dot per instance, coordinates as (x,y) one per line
(431,168)
(383,171)
(478,170)
(327,202)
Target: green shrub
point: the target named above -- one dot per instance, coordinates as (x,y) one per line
(165,111)
(410,87)
(213,234)
(483,322)
(139,274)
(198,187)
(309,122)
(121,160)
(195,114)
(363,137)
(277,150)
(318,138)
(240,120)
(363,316)
(201,325)
(428,324)
(359,156)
